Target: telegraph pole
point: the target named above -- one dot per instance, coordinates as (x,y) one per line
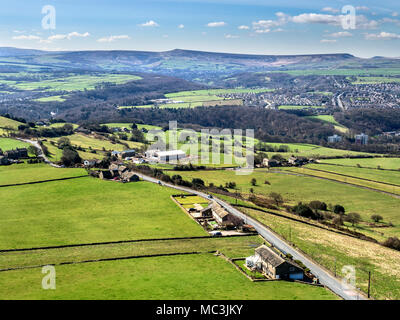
(369,283)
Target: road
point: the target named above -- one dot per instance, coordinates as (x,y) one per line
(41,154)
(324,276)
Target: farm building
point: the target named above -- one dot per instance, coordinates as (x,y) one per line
(129,177)
(273,265)
(220,214)
(17,153)
(4,161)
(270,163)
(296,161)
(361,139)
(165,156)
(127,153)
(106,175)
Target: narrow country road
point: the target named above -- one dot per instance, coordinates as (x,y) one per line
(323,275)
(41,155)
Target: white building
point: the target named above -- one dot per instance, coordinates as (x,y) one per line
(165,156)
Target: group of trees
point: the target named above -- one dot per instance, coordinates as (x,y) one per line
(70,156)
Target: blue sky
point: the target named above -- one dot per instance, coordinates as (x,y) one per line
(252,26)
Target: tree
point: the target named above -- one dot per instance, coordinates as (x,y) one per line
(198,182)
(338,221)
(70,157)
(277,198)
(318,205)
(354,218)
(376,218)
(63,142)
(338,209)
(253,181)
(33,150)
(392,242)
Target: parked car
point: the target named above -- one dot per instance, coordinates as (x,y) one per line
(216,234)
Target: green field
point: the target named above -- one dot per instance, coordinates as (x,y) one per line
(51,99)
(375,80)
(189,277)
(295,188)
(384,163)
(377,175)
(89,210)
(72,82)
(329,248)
(330,119)
(9,123)
(8,144)
(23,173)
(343,72)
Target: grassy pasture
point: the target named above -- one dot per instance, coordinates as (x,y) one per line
(22,173)
(360,182)
(51,99)
(330,119)
(344,72)
(8,144)
(305,189)
(232,247)
(189,277)
(384,163)
(74,82)
(378,175)
(375,80)
(89,210)
(325,247)
(86,141)
(5,122)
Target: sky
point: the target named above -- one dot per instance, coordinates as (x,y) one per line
(237,26)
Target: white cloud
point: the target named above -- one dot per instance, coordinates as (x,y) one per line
(68,36)
(362,8)
(362,22)
(328,41)
(265,26)
(77,34)
(25,37)
(330,9)
(382,36)
(181,26)
(395,14)
(341,34)
(113,38)
(243,27)
(216,24)
(150,23)
(231,36)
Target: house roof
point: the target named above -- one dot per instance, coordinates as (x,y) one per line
(170,153)
(269,256)
(220,211)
